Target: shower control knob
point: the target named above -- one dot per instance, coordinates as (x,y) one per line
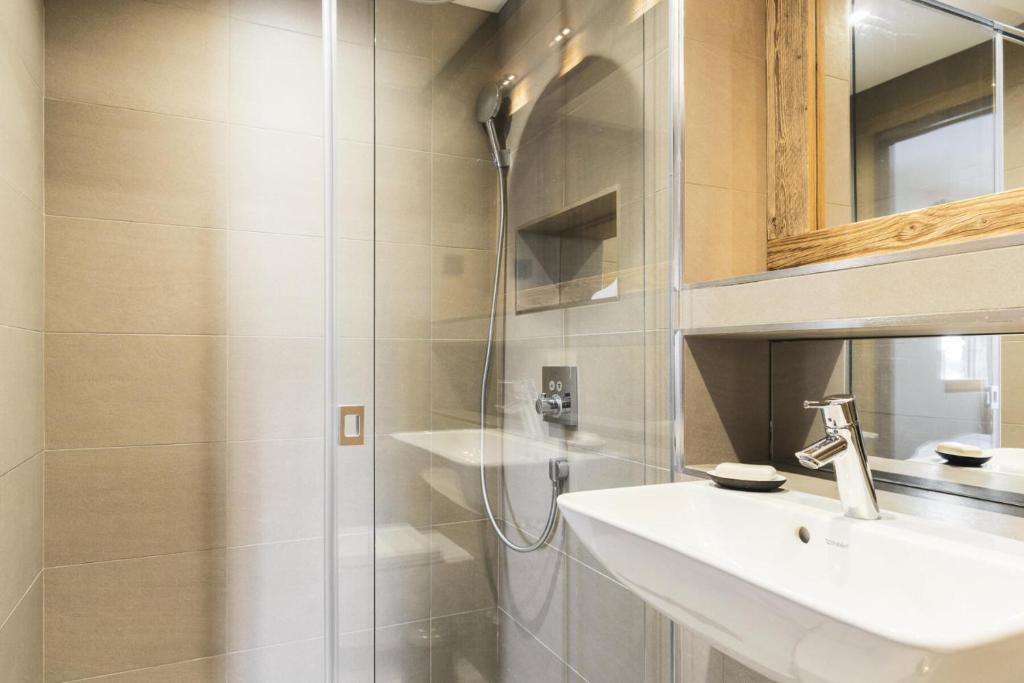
(549,406)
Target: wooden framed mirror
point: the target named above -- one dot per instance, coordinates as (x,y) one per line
(892,125)
(796,109)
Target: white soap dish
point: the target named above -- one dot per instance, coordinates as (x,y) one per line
(962,455)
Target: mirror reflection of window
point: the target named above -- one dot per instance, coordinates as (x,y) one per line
(922,107)
(914,393)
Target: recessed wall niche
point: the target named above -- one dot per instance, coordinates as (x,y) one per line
(569,258)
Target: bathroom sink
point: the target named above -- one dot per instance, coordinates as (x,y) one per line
(896,599)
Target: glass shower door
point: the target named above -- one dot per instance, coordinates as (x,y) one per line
(427,591)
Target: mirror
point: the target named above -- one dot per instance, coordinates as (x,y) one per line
(918,105)
(913,394)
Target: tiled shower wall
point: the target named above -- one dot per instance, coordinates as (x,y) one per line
(588,115)
(433,259)
(21,340)
(184,240)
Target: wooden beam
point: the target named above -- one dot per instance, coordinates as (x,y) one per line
(991,215)
(792,117)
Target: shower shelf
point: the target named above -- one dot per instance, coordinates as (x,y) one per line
(569,258)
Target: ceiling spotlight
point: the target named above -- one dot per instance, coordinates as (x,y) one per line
(560,36)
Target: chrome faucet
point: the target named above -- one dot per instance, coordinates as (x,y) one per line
(844,447)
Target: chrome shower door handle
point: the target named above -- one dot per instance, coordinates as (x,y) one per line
(356,415)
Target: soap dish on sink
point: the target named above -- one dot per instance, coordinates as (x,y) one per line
(746,477)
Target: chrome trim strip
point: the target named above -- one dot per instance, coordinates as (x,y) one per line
(991,23)
(677,116)
(998,112)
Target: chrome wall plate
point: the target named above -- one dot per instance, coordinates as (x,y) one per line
(559,398)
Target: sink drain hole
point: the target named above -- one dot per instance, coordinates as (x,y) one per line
(803,534)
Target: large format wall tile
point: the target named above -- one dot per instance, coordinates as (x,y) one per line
(22,24)
(275,285)
(21,400)
(120,390)
(274,593)
(276,181)
(353,288)
(403,97)
(21,110)
(465,647)
(524,659)
(138,55)
(604,637)
(402,378)
(21,260)
(402,195)
(274,491)
(354,193)
(206,670)
(276,388)
(354,83)
(111,163)
(133,502)
(464,202)
(105,276)
(402,652)
(464,569)
(296,661)
(294,15)
(461,282)
(108,617)
(21,639)
(276,79)
(21,533)
(402,293)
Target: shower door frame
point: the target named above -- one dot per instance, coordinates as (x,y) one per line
(331,588)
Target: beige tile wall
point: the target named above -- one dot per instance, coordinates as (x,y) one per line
(184,306)
(724,65)
(433,221)
(21,341)
(561,618)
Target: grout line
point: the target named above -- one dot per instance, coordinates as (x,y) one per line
(184,117)
(11,469)
(427,619)
(182,226)
(222,655)
(36,579)
(540,642)
(225,548)
(19,328)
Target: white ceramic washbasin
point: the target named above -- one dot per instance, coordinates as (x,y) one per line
(897,599)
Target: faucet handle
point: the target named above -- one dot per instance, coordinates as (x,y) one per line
(838,411)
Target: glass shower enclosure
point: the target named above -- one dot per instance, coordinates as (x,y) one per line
(501,182)
(339,295)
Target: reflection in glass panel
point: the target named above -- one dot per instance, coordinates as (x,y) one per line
(922,111)
(1013,114)
(915,393)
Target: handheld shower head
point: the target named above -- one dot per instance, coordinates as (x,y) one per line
(489,104)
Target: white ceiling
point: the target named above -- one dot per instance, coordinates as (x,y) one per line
(894,38)
(486,5)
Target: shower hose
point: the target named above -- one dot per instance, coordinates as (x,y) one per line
(556,481)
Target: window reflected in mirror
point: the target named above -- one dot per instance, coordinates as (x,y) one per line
(911,98)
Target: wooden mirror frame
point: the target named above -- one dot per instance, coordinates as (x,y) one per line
(797,233)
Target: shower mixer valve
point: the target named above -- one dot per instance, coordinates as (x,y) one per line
(558,400)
